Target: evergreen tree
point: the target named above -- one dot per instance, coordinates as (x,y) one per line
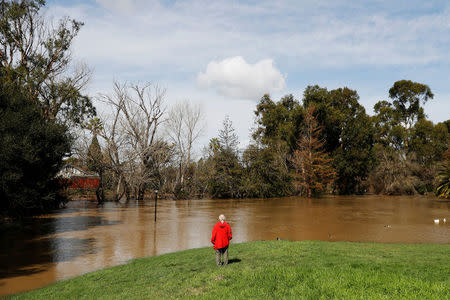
(95,162)
(31,152)
(225,180)
(228,138)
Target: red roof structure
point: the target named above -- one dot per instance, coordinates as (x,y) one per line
(77,178)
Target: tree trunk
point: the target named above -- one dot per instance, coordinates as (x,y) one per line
(141,192)
(116,196)
(100,192)
(127,191)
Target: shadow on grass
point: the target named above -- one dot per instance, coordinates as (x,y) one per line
(234,260)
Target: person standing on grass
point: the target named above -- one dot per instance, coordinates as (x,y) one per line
(221,236)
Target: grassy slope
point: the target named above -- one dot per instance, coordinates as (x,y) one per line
(274,269)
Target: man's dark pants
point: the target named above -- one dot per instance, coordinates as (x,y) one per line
(222,253)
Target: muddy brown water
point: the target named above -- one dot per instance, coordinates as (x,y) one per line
(82,238)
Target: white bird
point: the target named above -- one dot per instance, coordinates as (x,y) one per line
(445,220)
(436,221)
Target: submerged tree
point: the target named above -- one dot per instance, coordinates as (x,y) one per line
(312,164)
(394,174)
(95,160)
(409,147)
(225,179)
(347,132)
(134,149)
(443,178)
(184,127)
(265,173)
(42,97)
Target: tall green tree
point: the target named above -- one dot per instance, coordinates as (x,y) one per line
(347,132)
(267,164)
(35,54)
(96,163)
(407,97)
(406,141)
(31,152)
(278,123)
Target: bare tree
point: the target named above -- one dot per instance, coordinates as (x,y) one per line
(184,126)
(131,135)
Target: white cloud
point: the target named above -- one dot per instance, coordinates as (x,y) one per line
(234,77)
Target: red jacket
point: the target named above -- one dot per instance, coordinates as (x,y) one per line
(221,235)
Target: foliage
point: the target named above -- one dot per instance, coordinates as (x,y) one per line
(395,173)
(228,139)
(95,160)
(396,151)
(265,173)
(312,165)
(35,54)
(407,141)
(443,187)
(225,179)
(272,270)
(443,178)
(224,182)
(96,163)
(347,133)
(31,152)
(406,98)
(428,141)
(278,124)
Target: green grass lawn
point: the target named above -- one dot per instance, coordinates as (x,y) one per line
(272,269)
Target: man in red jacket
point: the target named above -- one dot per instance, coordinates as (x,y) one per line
(221,236)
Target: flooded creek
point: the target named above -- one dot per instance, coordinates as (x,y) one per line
(83,238)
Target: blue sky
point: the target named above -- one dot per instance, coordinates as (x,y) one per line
(226,54)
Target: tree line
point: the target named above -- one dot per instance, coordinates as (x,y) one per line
(324,143)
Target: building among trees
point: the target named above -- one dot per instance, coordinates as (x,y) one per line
(77,178)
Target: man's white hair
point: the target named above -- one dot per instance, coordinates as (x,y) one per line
(221,218)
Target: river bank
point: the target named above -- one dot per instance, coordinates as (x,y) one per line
(272,269)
